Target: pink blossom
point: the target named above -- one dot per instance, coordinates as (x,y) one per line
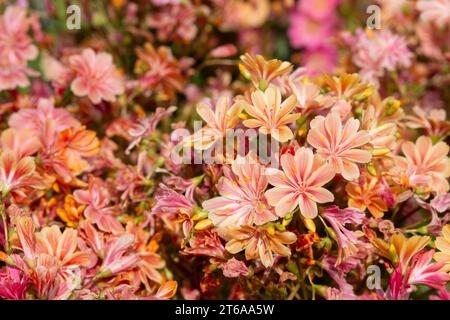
(436,11)
(118,256)
(242,199)
(299,183)
(339,144)
(305,31)
(319,9)
(13,284)
(234,268)
(95,76)
(320,60)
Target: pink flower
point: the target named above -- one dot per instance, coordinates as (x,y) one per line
(17,175)
(299,184)
(174,22)
(14,75)
(205,243)
(305,31)
(423,272)
(16,46)
(348,241)
(320,60)
(22,142)
(378,51)
(95,76)
(339,145)
(13,284)
(97,199)
(234,268)
(242,200)
(118,256)
(319,9)
(437,11)
(427,163)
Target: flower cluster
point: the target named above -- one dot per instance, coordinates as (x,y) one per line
(178,150)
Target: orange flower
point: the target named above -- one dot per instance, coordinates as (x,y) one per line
(261,71)
(70,213)
(218,122)
(366,194)
(270,115)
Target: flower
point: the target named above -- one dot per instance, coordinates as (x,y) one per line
(305,31)
(205,243)
(22,142)
(242,200)
(118,256)
(16,47)
(13,76)
(17,176)
(261,71)
(378,51)
(299,184)
(271,115)
(95,76)
(426,273)
(443,245)
(319,60)
(367,193)
(320,9)
(174,22)
(160,71)
(97,199)
(234,268)
(348,241)
(437,11)
(13,284)
(218,122)
(339,145)
(427,163)
(260,243)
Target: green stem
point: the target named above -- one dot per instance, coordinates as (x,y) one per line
(5,225)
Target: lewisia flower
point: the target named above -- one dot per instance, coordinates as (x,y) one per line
(427,164)
(367,194)
(443,245)
(242,200)
(436,11)
(224,117)
(261,71)
(433,121)
(426,273)
(307,32)
(22,142)
(118,256)
(260,243)
(160,71)
(95,76)
(13,76)
(378,51)
(348,241)
(13,284)
(299,183)
(17,175)
(400,250)
(97,199)
(271,115)
(338,144)
(16,46)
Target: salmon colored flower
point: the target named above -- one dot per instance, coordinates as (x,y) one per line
(160,71)
(261,71)
(434,121)
(443,245)
(22,142)
(426,163)
(260,243)
(70,213)
(118,256)
(242,200)
(271,115)
(299,183)
(17,176)
(97,199)
(367,194)
(339,144)
(224,117)
(95,76)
